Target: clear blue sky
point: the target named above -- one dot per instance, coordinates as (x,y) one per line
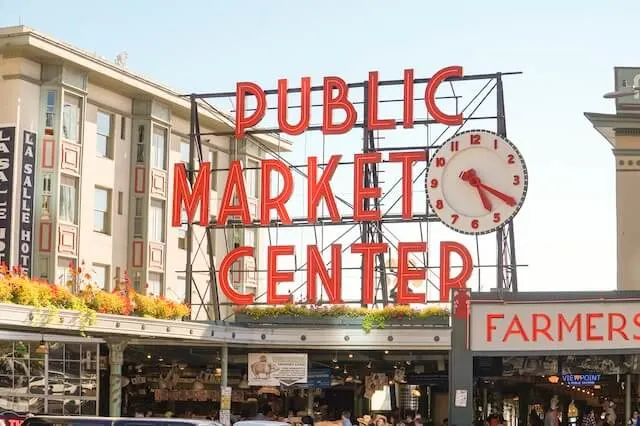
(566,49)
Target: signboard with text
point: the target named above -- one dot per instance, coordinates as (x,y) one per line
(274,369)
(7,159)
(549,326)
(27,190)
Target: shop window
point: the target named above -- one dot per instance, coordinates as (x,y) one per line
(104,136)
(71,116)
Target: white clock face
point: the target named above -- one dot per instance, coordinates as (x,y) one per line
(476,182)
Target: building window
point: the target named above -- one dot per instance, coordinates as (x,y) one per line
(159,148)
(140,145)
(182,231)
(71,115)
(104,134)
(156,221)
(101,276)
(252,178)
(102,211)
(213,159)
(64,275)
(155,284)
(184,152)
(68,199)
(138,218)
(50,112)
(250,237)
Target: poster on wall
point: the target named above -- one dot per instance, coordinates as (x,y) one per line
(7,149)
(605,365)
(529,366)
(27,182)
(268,369)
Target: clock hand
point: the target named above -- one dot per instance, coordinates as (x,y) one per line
(470,176)
(510,201)
(473,179)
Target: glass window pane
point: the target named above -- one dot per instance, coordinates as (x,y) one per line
(158,148)
(56,351)
(71,114)
(104,124)
(71,407)
(72,352)
(89,388)
(102,199)
(99,221)
(184,152)
(36,367)
(89,408)
(100,275)
(21,383)
(102,143)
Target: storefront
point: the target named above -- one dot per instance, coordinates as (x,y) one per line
(530,352)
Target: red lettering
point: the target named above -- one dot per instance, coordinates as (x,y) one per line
(575,324)
(242,122)
(618,329)
(368,251)
(361,192)
(541,329)
(407,121)
(430,96)
(447,282)
(234,181)
(340,101)
(274,276)
(406,273)
(636,322)
(225,266)
(316,267)
(373,122)
(305,107)
(191,199)
(267,203)
(592,327)
(490,327)
(515,328)
(320,188)
(407,159)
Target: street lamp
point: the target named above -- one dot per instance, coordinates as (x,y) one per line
(625,91)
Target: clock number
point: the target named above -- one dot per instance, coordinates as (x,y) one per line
(440,161)
(439,204)
(454,218)
(516,180)
(475,139)
(496,217)
(495,144)
(475,224)
(434,183)
(511,159)
(454,146)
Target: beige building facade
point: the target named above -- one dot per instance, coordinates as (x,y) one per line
(622,131)
(105,146)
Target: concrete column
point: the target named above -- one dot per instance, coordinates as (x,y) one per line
(460,362)
(224,359)
(116,358)
(627,398)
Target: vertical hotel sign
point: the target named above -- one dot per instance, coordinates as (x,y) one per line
(26,200)
(7,149)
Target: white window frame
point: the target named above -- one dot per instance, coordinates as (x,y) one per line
(106,213)
(157,224)
(106,277)
(108,149)
(159,157)
(66,126)
(68,214)
(152,284)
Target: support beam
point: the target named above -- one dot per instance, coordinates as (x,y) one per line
(116,358)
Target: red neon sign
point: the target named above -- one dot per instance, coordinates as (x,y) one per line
(336,97)
(235,204)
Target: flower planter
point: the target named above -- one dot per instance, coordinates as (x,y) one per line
(295,321)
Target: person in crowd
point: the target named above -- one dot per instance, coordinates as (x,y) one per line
(445,421)
(380,421)
(635,419)
(589,418)
(534,419)
(346,418)
(307,421)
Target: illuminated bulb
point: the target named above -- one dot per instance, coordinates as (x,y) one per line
(160,359)
(386,352)
(148,356)
(350,355)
